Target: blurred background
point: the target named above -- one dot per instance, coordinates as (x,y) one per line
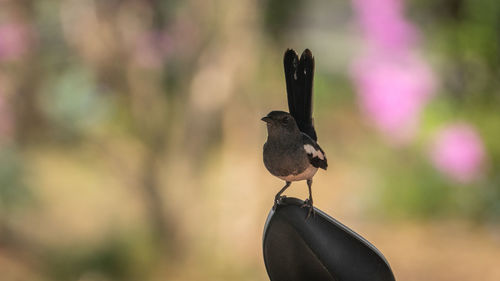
(131,140)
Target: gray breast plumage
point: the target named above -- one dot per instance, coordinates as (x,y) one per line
(285,160)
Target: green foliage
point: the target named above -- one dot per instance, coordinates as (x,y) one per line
(118,257)
(14,193)
(73,102)
(280,16)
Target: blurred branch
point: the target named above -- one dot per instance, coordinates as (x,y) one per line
(161,224)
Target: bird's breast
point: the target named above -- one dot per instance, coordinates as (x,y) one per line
(307,174)
(283,161)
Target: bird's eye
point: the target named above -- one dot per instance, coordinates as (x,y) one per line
(285,120)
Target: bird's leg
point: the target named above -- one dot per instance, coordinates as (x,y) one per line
(278,196)
(309,202)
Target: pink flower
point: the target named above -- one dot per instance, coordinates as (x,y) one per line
(393,85)
(458,153)
(383,23)
(392,92)
(15,40)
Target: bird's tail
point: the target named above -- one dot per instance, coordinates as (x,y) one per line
(299,76)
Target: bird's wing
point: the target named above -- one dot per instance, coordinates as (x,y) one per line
(316,155)
(299,75)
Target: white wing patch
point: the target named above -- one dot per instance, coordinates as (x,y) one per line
(315,153)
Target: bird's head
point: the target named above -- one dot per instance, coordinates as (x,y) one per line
(280,123)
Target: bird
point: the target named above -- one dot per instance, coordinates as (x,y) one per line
(291,151)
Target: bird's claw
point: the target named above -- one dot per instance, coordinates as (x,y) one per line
(277,201)
(308,203)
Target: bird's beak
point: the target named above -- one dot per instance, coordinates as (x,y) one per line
(266,119)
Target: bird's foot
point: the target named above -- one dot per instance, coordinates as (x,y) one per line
(309,204)
(277,201)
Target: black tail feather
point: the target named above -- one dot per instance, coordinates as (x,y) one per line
(299,75)
(291,61)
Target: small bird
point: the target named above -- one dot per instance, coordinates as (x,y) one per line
(291,152)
